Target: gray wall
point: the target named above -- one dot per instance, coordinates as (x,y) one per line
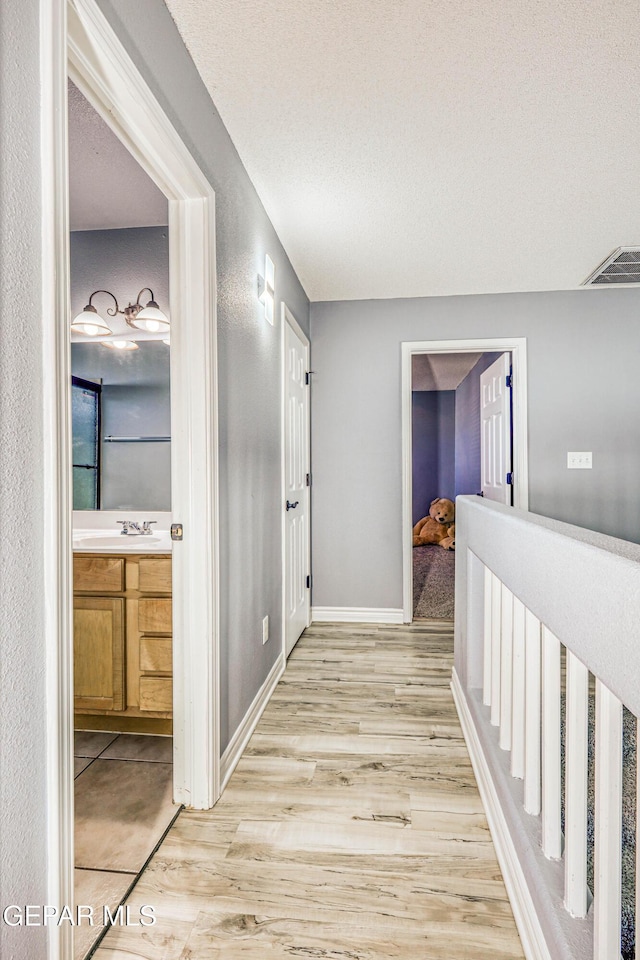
(468,473)
(121,261)
(249,377)
(136,398)
(249,357)
(433,443)
(584,394)
(23,731)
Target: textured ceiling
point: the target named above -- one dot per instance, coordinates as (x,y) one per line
(409,148)
(107,188)
(441,371)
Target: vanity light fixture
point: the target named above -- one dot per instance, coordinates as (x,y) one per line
(149,318)
(120,344)
(90,323)
(266,289)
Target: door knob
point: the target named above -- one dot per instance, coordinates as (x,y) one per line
(292,506)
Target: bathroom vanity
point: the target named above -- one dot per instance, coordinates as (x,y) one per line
(122,632)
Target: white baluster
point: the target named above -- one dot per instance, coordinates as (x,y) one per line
(486,673)
(575,787)
(608,825)
(533,720)
(551,799)
(518,699)
(496,592)
(506,668)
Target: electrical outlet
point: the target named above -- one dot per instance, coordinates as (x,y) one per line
(265,628)
(579,461)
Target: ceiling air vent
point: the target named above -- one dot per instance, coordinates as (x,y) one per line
(621,266)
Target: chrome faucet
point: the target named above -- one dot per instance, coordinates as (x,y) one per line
(133,528)
(128,526)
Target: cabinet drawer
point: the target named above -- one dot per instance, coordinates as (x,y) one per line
(103,574)
(154,616)
(155,575)
(155,655)
(156,694)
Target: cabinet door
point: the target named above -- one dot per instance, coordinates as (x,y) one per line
(98,648)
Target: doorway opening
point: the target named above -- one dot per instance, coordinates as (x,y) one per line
(443,439)
(121,483)
(84,48)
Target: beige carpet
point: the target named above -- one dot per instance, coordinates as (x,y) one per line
(433,582)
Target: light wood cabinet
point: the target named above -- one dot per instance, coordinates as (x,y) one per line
(99,574)
(123,642)
(98,653)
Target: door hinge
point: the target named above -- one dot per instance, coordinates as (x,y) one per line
(308,480)
(307,377)
(308,582)
(510,380)
(176,531)
(510,479)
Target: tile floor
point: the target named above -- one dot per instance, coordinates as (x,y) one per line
(123,807)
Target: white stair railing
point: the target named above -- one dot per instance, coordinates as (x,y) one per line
(523,659)
(525,670)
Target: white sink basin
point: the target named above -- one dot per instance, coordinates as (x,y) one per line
(127,541)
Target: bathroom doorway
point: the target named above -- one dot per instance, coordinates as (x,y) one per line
(84,48)
(441,443)
(121,482)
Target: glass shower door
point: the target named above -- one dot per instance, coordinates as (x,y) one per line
(85,419)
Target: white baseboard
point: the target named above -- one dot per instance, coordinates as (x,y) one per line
(356,615)
(533,940)
(241,737)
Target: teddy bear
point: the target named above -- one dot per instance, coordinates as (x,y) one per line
(438,527)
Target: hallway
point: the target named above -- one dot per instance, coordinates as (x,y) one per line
(352,828)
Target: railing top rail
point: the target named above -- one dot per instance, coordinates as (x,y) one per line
(583,585)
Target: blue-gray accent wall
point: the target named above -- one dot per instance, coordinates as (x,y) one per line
(433,442)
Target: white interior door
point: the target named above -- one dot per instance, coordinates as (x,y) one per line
(495,415)
(297,570)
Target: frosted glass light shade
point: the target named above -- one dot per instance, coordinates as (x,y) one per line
(90,324)
(120,344)
(266,289)
(151,319)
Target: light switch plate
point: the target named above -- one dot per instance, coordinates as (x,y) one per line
(579,461)
(265,629)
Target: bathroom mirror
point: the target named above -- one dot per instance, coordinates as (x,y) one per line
(118,242)
(121,412)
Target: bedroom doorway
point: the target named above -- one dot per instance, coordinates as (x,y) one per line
(449,452)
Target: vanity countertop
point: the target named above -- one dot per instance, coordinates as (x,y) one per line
(111,541)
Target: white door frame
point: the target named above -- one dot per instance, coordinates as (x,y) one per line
(288,318)
(76,40)
(517,346)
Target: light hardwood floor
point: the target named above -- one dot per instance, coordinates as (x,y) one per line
(352,828)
